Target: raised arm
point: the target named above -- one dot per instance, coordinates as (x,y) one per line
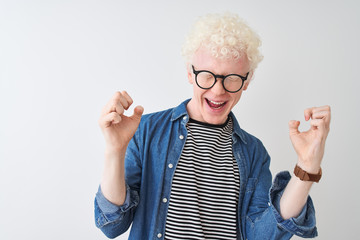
(309,146)
(118,130)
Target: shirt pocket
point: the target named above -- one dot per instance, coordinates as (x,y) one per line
(250,208)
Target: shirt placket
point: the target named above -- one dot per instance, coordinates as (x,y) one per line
(171,163)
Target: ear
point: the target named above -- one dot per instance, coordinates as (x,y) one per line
(189,73)
(246,84)
(251,74)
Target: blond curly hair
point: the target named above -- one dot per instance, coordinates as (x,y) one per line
(226,36)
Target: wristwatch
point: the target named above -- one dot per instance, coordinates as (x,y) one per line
(305,176)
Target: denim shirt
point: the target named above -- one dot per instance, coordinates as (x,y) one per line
(150,163)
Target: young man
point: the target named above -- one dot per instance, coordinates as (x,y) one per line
(191,172)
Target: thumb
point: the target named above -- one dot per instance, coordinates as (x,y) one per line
(293,127)
(138,111)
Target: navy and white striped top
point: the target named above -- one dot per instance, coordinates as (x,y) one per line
(205,187)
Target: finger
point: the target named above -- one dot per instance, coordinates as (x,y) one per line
(320,114)
(318,124)
(308,113)
(125,100)
(109,119)
(323,112)
(138,111)
(117,104)
(294,127)
(119,100)
(325,115)
(113,106)
(128,99)
(322,108)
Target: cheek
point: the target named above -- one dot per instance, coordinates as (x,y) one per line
(236,98)
(198,91)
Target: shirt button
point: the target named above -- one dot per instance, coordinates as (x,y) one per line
(159,235)
(164,200)
(185,117)
(170,165)
(269,204)
(181,137)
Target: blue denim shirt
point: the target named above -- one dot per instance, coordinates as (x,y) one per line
(150,163)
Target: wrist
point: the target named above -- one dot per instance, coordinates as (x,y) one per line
(306,176)
(115,151)
(309,166)
(114,155)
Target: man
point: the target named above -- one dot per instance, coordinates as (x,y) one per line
(191,172)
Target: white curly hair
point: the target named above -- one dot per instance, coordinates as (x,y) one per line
(226,36)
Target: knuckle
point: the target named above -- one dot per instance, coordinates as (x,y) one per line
(120,108)
(114,102)
(114,115)
(127,96)
(117,96)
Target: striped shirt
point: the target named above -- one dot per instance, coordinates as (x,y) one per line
(205,186)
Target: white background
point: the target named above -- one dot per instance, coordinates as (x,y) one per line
(61,61)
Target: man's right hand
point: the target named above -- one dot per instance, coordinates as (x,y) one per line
(117,128)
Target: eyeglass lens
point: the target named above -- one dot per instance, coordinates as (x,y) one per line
(232,83)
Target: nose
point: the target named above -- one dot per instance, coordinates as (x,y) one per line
(218,88)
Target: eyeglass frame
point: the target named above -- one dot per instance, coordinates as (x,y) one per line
(219,76)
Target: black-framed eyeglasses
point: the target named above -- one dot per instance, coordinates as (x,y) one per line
(231,83)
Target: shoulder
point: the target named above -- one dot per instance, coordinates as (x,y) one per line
(156,117)
(165,116)
(244,136)
(251,139)
(253,144)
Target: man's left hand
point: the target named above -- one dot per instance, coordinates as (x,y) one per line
(310,145)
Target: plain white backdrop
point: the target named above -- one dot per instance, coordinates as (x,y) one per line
(61,61)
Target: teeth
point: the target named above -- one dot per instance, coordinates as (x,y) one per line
(216,103)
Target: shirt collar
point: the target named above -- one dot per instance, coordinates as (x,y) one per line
(180,112)
(237,129)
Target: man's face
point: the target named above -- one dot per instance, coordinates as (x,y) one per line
(214,105)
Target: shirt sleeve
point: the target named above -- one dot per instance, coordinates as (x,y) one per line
(263,219)
(112,219)
(305,224)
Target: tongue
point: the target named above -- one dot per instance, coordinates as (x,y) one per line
(212,105)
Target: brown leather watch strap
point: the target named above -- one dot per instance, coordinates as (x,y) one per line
(305,176)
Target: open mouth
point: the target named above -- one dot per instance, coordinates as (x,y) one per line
(215,105)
